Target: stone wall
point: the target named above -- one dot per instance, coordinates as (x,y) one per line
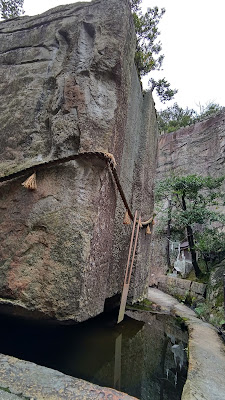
(183,289)
(68,86)
(196,149)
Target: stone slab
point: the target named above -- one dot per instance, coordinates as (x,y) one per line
(24,379)
(181,287)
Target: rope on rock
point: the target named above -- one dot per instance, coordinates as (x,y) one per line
(31,184)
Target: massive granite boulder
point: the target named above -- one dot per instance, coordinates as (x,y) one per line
(68,86)
(196,149)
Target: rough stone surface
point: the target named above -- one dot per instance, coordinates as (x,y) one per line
(137,178)
(199,148)
(214,306)
(181,287)
(64,77)
(215,290)
(67,86)
(28,380)
(206,376)
(196,149)
(8,396)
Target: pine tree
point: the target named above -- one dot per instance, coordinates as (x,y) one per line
(11,8)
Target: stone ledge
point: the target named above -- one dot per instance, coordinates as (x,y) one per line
(8,396)
(181,287)
(23,379)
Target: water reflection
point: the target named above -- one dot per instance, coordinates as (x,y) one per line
(143,358)
(117,365)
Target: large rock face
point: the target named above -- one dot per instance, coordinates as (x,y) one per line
(64,78)
(68,85)
(196,149)
(199,149)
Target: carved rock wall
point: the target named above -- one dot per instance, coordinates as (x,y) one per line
(196,149)
(68,86)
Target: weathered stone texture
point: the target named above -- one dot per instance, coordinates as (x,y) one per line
(28,380)
(137,178)
(181,288)
(199,149)
(196,149)
(64,77)
(54,249)
(67,86)
(215,294)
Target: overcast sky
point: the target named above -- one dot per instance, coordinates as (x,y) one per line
(192,36)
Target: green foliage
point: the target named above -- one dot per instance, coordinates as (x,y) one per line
(191,186)
(201,310)
(175,117)
(148,55)
(163,89)
(207,111)
(200,194)
(145,305)
(5,389)
(204,278)
(181,322)
(11,8)
(214,315)
(210,243)
(187,299)
(192,198)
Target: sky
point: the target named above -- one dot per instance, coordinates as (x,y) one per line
(192,36)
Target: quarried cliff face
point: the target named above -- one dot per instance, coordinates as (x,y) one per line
(68,86)
(196,149)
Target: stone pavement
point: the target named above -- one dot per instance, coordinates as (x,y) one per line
(206,372)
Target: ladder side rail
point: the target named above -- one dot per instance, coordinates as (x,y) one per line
(130,248)
(134,249)
(128,269)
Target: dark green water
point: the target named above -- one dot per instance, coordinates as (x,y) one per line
(144,359)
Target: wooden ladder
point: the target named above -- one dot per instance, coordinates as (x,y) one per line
(130,262)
